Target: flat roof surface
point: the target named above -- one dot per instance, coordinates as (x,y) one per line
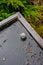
(14,51)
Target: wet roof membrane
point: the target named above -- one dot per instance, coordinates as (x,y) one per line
(16,51)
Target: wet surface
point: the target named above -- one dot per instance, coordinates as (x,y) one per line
(14,51)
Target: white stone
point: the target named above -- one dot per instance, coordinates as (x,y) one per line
(4,59)
(23,36)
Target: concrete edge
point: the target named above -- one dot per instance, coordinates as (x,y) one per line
(31,30)
(26,25)
(9,19)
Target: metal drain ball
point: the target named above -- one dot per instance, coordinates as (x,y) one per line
(23,36)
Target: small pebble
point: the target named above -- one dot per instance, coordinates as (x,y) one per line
(4,59)
(23,36)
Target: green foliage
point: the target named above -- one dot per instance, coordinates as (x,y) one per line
(7,7)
